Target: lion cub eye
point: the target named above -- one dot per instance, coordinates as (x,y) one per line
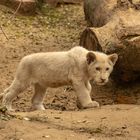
(107,69)
(98,68)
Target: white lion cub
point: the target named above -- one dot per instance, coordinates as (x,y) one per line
(75,67)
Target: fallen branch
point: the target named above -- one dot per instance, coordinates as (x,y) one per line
(16,10)
(4,32)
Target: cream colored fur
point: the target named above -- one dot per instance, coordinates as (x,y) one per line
(75,67)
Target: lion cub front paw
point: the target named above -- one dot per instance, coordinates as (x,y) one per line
(93,104)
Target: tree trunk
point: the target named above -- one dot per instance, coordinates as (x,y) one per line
(115,29)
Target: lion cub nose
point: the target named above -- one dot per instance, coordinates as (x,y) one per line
(103,80)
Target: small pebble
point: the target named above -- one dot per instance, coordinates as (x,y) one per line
(47,136)
(26,119)
(72,135)
(82,121)
(57,117)
(92,139)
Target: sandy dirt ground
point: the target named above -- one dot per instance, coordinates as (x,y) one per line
(116,122)
(56,30)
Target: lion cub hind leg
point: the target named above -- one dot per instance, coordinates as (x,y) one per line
(84,96)
(37,100)
(10,93)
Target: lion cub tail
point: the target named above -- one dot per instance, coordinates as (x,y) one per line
(1,95)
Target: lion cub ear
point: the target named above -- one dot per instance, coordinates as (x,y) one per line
(113,58)
(90,57)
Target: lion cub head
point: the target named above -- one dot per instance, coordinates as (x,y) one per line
(100,66)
